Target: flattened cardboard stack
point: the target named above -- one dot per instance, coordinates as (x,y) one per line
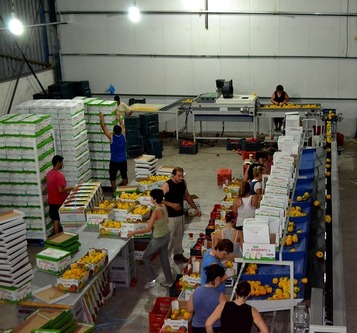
(145,166)
(15,269)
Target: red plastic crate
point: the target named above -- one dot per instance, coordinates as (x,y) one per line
(158,313)
(246,153)
(222,175)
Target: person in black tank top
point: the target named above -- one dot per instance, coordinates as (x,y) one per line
(279,98)
(175,191)
(237,316)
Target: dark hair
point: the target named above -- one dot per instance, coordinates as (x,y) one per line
(117,130)
(224,245)
(270,151)
(177,169)
(213,271)
(260,154)
(279,87)
(157,194)
(230,217)
(56,159)
(117,98)
(243,289)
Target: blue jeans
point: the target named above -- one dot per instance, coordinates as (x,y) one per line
(158,244)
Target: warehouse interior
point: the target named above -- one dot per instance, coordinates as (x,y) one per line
(178,52)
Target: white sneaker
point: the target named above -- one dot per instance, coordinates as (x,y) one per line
(150,284)
(166,284)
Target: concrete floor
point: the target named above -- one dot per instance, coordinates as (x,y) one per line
(127,311)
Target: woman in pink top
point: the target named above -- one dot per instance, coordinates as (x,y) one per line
(244,206)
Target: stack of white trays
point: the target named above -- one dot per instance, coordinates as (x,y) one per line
(145,166)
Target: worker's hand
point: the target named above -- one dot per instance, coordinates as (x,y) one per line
(176,206)
(101,115)
(130,234)
(198,212)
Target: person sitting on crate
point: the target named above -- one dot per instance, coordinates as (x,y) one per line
(279,98)
(159,242)
(260,160)
(205,299)
(229,232)
(118,161)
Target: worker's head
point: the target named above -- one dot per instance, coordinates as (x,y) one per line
(157,195)
(261,156)
(214,274)
(117,99)
(57,160)
(177,175)
(230,217)
(279,88)
(223,248)
(244,189)
(270,152)
(258,172)
(117,130)
(243,289)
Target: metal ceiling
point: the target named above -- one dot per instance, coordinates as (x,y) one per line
(32,44)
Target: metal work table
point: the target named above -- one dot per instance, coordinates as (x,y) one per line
(89,238)
(239,108)
(273,112)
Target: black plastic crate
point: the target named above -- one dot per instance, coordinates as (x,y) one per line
(137,101)
(148,118)
(81,88)
(132,123)
(156,152)
(153,144)
(61,90)
(193,150)
(234,144)
(134,151)
(194,251)
(132,134)
(149,124)
(135,141)
(247,145)
(175,289)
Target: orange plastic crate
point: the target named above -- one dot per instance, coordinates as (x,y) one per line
(158,313)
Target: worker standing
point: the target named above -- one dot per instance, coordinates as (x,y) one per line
(175,192)
(57,191)
(118,159)
(279,98)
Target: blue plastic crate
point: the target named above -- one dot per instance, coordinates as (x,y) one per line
(303,227)
(301,219)
(307,163)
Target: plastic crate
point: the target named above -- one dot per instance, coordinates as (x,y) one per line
(174,290)
(223,175)
(192,150)
(247,145)
(135,151)
(158,313)
(137,141)
(153,144)
(132,122)
(156,152)
(246,153)
(233,144)
(149,124)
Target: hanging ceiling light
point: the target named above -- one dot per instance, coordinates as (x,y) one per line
(15,25)
(134,13)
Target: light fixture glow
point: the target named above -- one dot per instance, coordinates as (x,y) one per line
(134,14)
(15,26)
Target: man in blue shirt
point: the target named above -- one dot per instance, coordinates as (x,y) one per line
(118,161)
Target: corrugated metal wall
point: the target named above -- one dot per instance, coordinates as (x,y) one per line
(33,43)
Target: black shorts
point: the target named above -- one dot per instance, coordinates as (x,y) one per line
(54,214)
(114,167)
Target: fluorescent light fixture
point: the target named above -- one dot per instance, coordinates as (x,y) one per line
(15,25)
(134,13)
